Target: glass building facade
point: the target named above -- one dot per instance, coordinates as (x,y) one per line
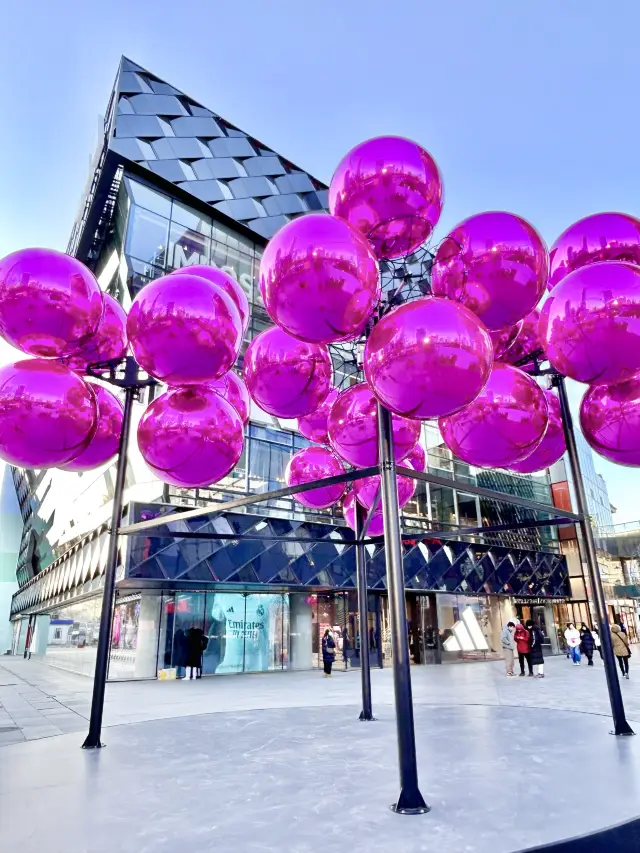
(175,185)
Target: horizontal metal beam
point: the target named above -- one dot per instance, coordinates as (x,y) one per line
(247,500)
(453,532)
(246,537)
(516,500)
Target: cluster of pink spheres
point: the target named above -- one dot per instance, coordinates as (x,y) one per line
(448,357)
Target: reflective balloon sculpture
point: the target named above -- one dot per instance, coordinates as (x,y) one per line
(184,330)
(390,190)
(314,427)
(319,279)
(610,421)
(230,286)
(315,463)
(600,237)
(191,436)
(590,324)
(234,391)
(48,414)
(428,358)
(448,352)
(503,425)
(353,428)
(50,303)
(105,441)
(286,377)
(552,446)
(109,341)
(494,263)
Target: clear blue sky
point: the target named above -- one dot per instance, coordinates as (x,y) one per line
(527,106)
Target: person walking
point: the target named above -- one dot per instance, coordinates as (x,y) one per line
(523,644)
(621,650)
(328,652)
(508,647)
(535,656)
(596,640)
(587,643)
(572,636)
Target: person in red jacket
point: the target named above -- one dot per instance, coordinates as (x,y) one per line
(523,644)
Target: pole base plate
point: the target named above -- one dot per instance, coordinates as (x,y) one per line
(90,745)
(410,804)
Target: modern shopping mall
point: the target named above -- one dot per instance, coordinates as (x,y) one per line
(174,184)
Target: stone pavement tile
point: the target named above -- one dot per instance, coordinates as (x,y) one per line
(14,736)
(35,732)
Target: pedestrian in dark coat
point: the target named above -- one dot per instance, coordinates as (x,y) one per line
(180,652)
(523,644)
(328,652)
(587,643)
(196,644)
(535,655)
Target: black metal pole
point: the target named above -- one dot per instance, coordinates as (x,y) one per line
(363,614)
(621,726)
(104,637)
(410,800)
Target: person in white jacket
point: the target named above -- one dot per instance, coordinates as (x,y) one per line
(572,636)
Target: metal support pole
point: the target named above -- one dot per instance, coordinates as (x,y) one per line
(621,726)
(104,637)
(363,614)
(410,800)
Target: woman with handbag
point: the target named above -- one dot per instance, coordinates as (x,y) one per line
(328,652)
(621,649)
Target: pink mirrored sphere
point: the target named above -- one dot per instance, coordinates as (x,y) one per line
(552,446)
(610,421)
(353,428)
(503,339)
(108,342)
(496,264)
(105,442)
(526,343)
(376,525)
(367,489)
(505,423)
(599,237)
(428,358)
(417,458)
(184,330)
(224,280)
(314,427)
(190,437)
(286,377)
(315,463)
(48,414)
(319,279)
(590,324)
(49,302)
(234,391)
(390,190)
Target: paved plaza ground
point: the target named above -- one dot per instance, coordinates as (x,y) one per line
(280,762)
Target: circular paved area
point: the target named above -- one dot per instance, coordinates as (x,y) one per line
(297,780)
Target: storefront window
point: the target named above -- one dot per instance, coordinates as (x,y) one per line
(73,636)
(147,237)
(187,247)
(470,626)
(237,632)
